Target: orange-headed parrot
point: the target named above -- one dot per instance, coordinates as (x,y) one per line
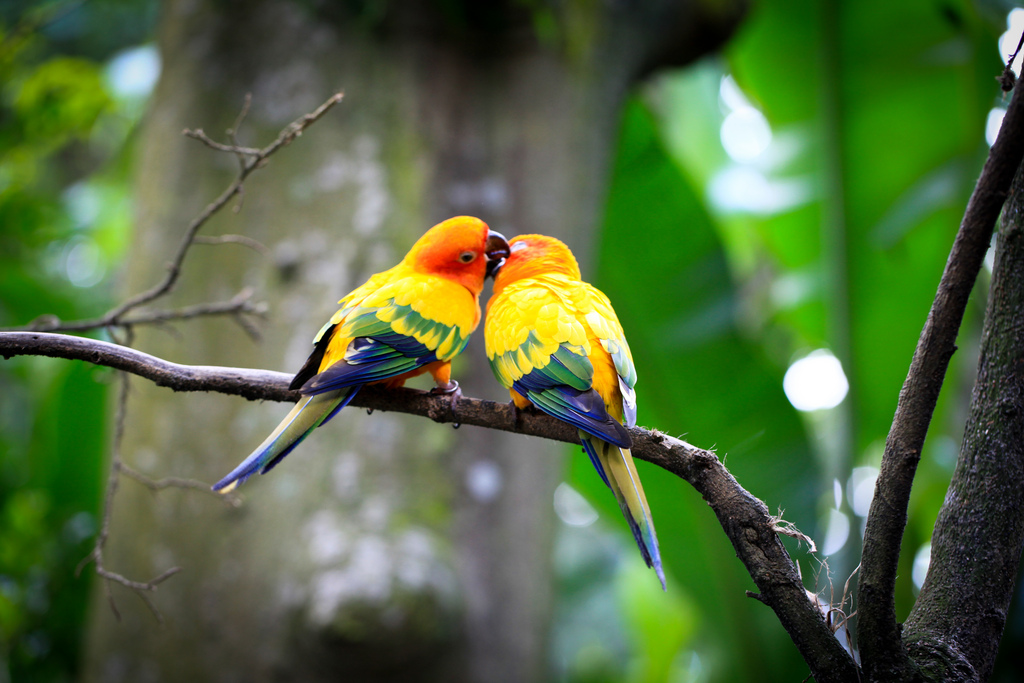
(555,342)
(411,319)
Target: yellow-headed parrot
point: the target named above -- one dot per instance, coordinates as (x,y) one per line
(555,342)
(411,319)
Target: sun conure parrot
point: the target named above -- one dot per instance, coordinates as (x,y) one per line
(555,342)
(411,319)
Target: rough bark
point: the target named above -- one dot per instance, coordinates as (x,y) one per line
(954,629)
(367,555)
(882,651)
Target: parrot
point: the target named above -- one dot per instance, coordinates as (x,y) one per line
(403,322)
(555,342)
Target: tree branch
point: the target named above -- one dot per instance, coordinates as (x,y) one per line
(255,245)
(285,137)
(240,304)
(882,650)
(745,519)
(250,159)
(117,320)
(953,632)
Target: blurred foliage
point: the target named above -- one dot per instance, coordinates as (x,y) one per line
(675,297)
(726,268)
(723,269)
(886,107)
(65,124)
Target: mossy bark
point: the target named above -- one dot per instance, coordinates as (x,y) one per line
(373,552)
(954,629)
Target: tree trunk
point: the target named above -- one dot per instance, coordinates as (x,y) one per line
(954,629)
(385,547)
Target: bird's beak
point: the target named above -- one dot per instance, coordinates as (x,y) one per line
(496,251)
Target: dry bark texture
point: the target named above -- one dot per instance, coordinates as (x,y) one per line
(959,616)
(883,653)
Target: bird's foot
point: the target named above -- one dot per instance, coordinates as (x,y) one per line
(454,392)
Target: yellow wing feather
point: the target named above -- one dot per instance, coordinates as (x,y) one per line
(559,310)
(390,295)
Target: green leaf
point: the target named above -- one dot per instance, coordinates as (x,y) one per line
(665,270)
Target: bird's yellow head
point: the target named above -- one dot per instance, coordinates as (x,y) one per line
(532,255)
(459,249)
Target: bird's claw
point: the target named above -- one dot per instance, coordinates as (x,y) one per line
(453,391)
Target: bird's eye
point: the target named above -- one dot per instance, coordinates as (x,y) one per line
(467,256)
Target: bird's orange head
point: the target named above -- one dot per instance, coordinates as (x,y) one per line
(459,249)
(532,255)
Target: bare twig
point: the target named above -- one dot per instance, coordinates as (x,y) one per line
(141,588)
(884,655)
(757,596)
(155,485)
(255,158)
(745,519)
(285,137)
(233,136)
(240,304)
(200,134)
(234,239)
(120,325)
(233,130)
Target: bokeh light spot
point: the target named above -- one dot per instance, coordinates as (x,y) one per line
(992,124)
(572,508)
(134,72)
(922,560)
(816,382)
(745,134)
(836,533)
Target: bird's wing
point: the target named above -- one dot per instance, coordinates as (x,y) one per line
(600,316)
(538,346)
(389,327)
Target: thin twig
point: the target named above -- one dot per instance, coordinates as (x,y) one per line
(156,485)
(200,134)
(233,136)
(117,467)
(96,556)
(285,137)
(758,597)
(237,305)
(116,316)
(234,239)
(237,125)
(120,326)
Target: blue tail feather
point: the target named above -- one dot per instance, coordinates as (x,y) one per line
(344,402)
(307,415)
(622,479)
(588,448)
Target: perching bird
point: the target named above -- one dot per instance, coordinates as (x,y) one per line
(411,319)
(554,341)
